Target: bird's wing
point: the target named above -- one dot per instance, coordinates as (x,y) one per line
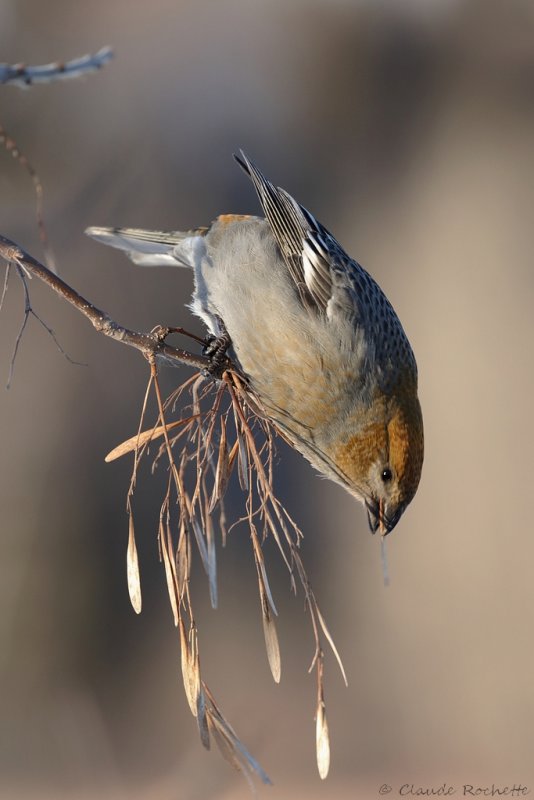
(328,280)
(307,248)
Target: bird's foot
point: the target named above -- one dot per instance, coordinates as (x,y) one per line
(215,348)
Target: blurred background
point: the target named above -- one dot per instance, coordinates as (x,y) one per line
(408,129)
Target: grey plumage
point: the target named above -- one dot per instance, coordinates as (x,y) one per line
(314,332)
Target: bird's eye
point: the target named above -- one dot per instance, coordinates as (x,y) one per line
(386,475)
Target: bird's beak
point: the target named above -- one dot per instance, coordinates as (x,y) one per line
(373,514)
(379,519)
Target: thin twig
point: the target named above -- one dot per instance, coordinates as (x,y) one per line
(14,150)
(6,283)
(21,331)
(30,311)
(151,345)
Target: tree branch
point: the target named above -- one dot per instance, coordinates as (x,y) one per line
(23,76)
(152,345)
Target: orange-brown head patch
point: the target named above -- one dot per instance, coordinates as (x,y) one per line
(406,445)
(355,456)
(393,436)
(226,219)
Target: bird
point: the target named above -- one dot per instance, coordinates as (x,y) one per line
(315,335)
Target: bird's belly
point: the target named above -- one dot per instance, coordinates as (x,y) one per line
(301,389)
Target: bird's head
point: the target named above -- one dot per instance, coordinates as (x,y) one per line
(382,460)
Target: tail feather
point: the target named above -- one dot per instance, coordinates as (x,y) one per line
(146,248)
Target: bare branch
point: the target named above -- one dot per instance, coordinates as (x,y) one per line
(152,345)
(22,76)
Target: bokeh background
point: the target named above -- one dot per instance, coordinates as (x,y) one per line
(408,129)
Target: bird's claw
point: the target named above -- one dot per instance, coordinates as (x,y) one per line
(215,348)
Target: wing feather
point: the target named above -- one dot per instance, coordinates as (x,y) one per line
(306,246)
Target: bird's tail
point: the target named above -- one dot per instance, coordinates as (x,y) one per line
(149,248)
